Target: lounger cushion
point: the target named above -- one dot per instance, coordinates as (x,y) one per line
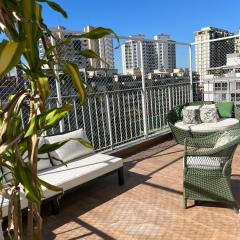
(70,150)
(74,174)
(221,125)
(79,171)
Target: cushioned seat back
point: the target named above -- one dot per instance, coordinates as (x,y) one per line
(175,114)
(172,117)
(72,149)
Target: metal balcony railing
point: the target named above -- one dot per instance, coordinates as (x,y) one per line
(114,118)
(134,95)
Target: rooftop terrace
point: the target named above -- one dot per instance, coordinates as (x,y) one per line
(148,206)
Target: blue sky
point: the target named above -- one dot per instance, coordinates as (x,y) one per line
(179,18)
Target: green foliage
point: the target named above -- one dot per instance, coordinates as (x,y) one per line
(10,53)
(55,7)
(78,83)
(22,23)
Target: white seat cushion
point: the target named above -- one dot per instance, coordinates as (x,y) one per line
(221,125)
(206,163)
(70,150)
(79,171)
(74,174)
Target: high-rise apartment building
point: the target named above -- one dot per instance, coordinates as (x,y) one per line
(71,50)
(159,53)
(166,52)
(210,54)
(104,48)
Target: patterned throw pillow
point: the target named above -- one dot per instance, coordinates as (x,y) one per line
(225,138)
(208,113)
(191,115)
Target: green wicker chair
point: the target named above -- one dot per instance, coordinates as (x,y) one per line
(207,169)
(180,134)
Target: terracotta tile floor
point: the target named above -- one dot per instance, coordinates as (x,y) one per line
(148,206)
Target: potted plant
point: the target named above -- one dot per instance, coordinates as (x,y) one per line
(22,27)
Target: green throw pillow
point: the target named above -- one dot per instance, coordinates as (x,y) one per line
(225,109)
(178,110)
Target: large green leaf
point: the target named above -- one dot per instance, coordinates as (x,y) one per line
(84,142)
(32,191)
(50,186)
(5,145)
(10,53)
(30,31)
(22,146)
(88,53)
(43,87)
(97,33)
(46,148)
(30,128)
(15,103)
(55,7)
(78,82)
(50,118)
(10,115)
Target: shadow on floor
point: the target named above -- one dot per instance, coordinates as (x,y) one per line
(98,192)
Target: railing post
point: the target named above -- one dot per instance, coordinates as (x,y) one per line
(109,120)
(190,73)
(144,106)
(58,89)
(228,97)
(169,98)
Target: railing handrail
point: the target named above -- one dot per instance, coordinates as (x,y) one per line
(216,39)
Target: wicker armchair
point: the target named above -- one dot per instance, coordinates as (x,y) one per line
(180,134)
(207,169)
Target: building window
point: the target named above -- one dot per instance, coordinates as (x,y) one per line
(237,85)
(222,86)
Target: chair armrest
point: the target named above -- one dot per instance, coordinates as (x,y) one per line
(209,151)
(202,151)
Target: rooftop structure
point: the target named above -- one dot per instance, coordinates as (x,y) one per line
(156,54)
(209,53)
(70,51)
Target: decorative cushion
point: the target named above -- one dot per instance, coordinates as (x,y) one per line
(208,113)
(222,125)
(70,150)
(191,115)
(178,110)
(225,138)
(225,109)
